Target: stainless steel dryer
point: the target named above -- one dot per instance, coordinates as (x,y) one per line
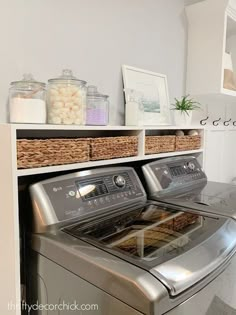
(99,243)
(180,181)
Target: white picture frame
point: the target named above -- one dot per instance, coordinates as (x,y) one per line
(154,90)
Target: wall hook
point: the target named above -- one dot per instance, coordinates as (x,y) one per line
(226,123)
(234,123)
(203,121)
(216,122)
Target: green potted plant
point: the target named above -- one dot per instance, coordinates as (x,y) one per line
(183,110)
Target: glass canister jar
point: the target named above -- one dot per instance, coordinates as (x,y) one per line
(97,112)
(66,99)
(27,101)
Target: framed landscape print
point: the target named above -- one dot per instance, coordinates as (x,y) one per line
(153,89)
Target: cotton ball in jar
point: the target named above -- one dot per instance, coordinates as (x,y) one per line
(179,133)
(54,92)
(55,120)
(193,133)
(57,104)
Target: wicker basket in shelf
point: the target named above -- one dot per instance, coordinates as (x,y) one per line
(49,152)
(113,147)
(159,144)
(185,143)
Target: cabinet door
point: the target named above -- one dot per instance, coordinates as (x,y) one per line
(228,166)
(220,155)
(214,144)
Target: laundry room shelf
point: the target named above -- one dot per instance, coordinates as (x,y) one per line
(76,166)
(91,128)
(14,182)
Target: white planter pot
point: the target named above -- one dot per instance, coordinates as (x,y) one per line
(182,119)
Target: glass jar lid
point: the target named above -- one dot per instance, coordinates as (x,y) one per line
(105,96)
(92,92)
(67,78)
(28,83)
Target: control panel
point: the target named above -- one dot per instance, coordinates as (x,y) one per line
(84,193)
(177,173)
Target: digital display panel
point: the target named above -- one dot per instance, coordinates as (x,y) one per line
(177,171)
(91,189)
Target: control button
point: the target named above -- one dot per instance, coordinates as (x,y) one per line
(107,199)
(118,195)
(90,203)
(56,189)
(95,202)
(101,200)
(191,166)
(119,181)
(72,193)
(165,172)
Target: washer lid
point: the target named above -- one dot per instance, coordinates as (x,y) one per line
(186,270)
(178,248)
(211,197)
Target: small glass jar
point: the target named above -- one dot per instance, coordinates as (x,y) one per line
(27,101)
(66,100)
(97,112)
(134,110)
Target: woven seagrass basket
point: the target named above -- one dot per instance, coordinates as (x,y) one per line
(183,220)
(49,152)
(159,144)
(184,143)
(113,147)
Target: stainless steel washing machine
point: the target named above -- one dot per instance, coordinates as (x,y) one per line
(98,241)
(180,181)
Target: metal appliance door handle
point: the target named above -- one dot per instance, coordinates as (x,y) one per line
(183,271)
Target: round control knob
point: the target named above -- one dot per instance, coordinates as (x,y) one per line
(191,166)
(119,181)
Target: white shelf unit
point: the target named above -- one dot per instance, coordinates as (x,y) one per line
(211,33)
(9,232)
(99,128)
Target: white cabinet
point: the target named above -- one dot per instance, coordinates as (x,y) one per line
(220,155)
(228,172)
(214,141)
(10,205)
(211,33)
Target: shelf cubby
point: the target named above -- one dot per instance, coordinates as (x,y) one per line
(209,37)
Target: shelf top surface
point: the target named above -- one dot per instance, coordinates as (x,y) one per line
(91,128)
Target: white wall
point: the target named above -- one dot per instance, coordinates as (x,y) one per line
(94,38)
(188,2)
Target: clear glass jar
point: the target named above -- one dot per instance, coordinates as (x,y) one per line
(134,110)
(97,112)
(27,101)
(66,100)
